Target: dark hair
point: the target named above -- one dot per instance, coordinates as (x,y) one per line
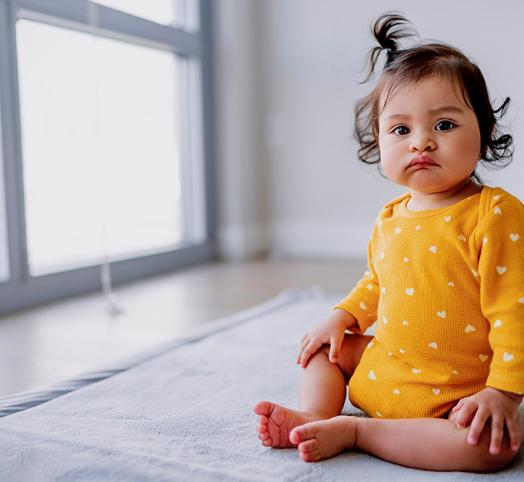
(411,65)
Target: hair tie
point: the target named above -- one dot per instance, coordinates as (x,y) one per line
(390,57)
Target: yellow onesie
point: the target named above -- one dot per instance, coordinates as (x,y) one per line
(446,289)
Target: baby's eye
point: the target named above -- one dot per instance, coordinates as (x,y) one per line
(446,123)
(399,127)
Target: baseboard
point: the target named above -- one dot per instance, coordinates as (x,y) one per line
(239,242)
(298,239)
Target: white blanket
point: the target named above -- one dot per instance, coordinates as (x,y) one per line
(186,413)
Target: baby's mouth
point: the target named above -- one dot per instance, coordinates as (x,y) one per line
(422,162)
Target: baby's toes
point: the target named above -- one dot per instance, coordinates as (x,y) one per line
(265,438)
(308,446)
(313,456)
(268,442)
(263,420)
(262,408)
(309,450)
(302,433)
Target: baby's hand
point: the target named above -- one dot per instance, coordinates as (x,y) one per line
(330,331)
(502,408)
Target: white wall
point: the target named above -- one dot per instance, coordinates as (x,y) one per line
(311,54)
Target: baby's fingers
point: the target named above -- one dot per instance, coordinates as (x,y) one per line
(334,350)
(515,432)
(303,343)
(299,356)
(497,432)
(477,425)
(308,351)
(303,354)
(465,414)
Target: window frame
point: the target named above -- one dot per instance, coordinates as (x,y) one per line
(22,290)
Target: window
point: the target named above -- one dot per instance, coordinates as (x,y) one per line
(112,159)
(101,152)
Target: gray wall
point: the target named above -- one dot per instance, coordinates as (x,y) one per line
(288,72)
(243,216)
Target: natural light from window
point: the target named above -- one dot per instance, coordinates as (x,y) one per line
(101,144)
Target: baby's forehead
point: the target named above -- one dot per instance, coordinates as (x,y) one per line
(442,91)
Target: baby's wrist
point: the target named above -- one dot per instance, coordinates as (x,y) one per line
(513,396)
(348,319)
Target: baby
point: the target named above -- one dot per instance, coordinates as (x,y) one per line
(443,377)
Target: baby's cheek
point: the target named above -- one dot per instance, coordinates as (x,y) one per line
(390,168)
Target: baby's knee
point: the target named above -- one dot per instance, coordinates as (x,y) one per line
(351,351)
(350,345)
(496,462)
(481,459)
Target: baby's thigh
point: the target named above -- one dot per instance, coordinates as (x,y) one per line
(350,352)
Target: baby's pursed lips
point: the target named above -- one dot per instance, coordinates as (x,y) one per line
(422,160)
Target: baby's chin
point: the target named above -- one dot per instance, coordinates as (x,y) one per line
(430,183)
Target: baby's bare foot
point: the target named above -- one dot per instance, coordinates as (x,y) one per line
(275,422)
(325,438)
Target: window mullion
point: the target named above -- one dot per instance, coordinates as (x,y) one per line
(181,41)
(207,113)
(111,23)
(11,144)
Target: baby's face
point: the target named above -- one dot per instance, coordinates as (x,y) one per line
(450,138)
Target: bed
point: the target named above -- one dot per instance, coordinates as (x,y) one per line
(183,411)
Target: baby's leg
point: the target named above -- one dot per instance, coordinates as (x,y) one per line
(323,385)
(322,393)
(423,443)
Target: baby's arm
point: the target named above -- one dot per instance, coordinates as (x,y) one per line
(500,271)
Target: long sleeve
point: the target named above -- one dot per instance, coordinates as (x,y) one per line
(362,301)
(500,238)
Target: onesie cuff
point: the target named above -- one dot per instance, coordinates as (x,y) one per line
(360,326)
(501,383)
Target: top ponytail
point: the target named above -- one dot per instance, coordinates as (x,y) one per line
(388,34)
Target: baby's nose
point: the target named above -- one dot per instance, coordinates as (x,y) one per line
(423,143)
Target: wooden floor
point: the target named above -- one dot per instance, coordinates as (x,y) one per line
(52,343)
